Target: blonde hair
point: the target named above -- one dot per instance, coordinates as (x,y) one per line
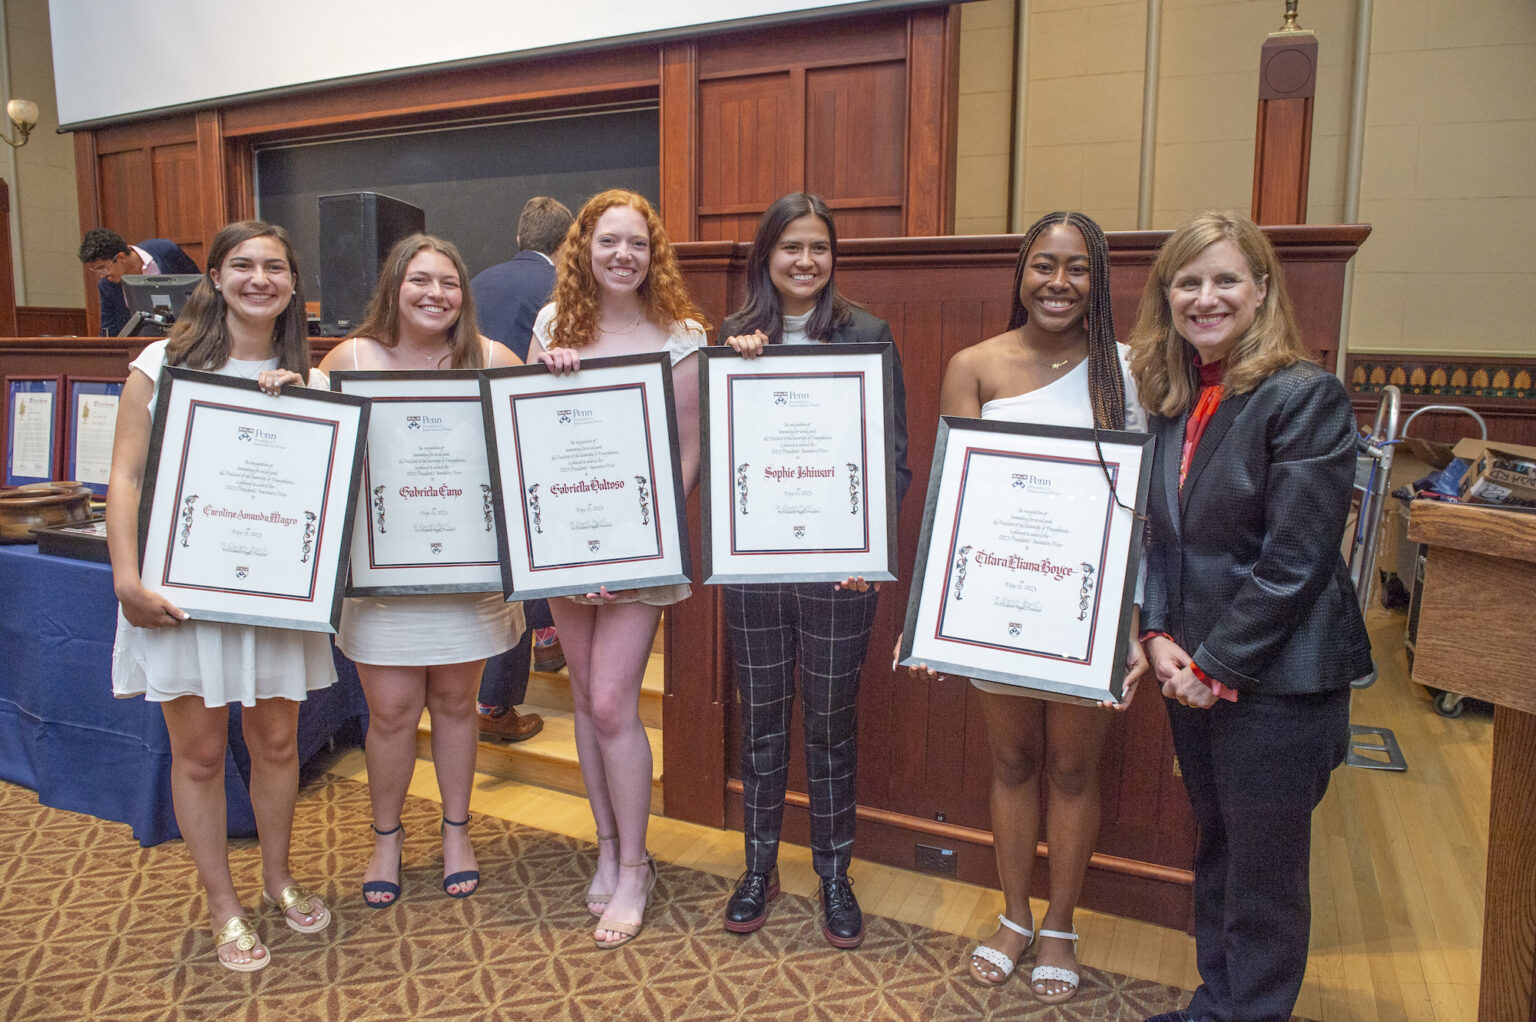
(663,296)
(1162,360)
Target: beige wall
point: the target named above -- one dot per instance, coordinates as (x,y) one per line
(47,223)
(1450,137)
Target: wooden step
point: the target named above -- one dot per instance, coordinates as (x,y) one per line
(548,759)
(553,689)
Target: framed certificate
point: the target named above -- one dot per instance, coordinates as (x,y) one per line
(425,522)
(588,465)
(799,470)
(92,415)
(34,421)
(1026,567)
(246,513)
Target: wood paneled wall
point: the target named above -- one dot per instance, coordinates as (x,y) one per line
(924,767)
(860,109)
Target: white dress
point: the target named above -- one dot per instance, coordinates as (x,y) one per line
(683,339)
(1064,402)
(223,663)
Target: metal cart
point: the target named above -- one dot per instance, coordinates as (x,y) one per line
(1374,748)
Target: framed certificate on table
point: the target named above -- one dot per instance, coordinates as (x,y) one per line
(799,470)
(1027,565)
(92,413)
(592,483)
(34,428)
(425,522)
(246,512)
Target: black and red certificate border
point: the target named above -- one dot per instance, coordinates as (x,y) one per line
(331,542)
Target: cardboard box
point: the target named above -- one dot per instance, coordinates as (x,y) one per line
(1498,473)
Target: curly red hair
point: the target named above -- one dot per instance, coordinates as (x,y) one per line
(663,294)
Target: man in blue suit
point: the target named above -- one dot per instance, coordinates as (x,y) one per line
(508,297)
(107,255)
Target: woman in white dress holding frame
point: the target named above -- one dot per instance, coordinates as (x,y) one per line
(245,319)
(1057,364)
(619,292)
(422,652)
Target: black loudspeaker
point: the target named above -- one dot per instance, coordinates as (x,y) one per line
(357,230)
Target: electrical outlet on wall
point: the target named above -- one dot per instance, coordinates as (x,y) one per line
(942,861)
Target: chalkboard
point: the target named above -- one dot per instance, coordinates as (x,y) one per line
(471,181)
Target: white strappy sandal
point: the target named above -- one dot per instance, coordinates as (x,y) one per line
(997,959)
(1054,973)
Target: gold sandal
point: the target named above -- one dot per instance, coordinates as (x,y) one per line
(628,931)
(238,931)
(296,897)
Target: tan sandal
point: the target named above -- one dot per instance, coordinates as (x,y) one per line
(628,931)
(296,897)
(238,931)
(600,899)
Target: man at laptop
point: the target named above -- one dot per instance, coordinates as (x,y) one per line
(107,255)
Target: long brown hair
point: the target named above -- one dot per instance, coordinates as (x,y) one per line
(1162,361)
(1106,384)
(199,338)
(663,296)
(764,308)
(382,320)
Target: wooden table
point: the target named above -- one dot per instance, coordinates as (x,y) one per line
(1476,624)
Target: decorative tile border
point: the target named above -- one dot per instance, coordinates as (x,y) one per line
(1508,378)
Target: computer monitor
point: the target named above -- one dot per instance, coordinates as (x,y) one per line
(156,300)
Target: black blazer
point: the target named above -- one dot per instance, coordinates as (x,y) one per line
(1243,567)
(861,328)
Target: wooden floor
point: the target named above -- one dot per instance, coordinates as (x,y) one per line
(1397,879)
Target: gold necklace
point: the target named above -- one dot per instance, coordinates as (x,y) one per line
(627,327)
(1037,358)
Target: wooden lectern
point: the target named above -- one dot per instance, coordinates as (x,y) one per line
(1475,626)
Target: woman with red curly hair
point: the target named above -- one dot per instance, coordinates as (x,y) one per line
(619,292)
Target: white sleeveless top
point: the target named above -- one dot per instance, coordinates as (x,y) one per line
(443,628)
(1065,402)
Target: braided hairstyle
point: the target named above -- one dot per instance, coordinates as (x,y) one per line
(1106,385)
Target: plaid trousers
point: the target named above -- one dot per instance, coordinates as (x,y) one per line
(773,627)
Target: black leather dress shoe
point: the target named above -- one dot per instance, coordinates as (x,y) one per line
(748,908)
(843,923)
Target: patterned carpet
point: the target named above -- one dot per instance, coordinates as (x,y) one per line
(94,927)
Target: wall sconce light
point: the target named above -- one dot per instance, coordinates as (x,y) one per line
(23,114)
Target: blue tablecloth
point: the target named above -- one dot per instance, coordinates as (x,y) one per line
(64,735)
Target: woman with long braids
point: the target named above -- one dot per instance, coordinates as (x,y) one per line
(422,652)
(618,291)
(1057,364)
(792,299)
(244,319)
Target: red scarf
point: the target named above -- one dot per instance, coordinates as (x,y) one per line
(1205,407)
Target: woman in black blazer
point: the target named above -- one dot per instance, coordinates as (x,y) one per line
(1250,620)
(791,299)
